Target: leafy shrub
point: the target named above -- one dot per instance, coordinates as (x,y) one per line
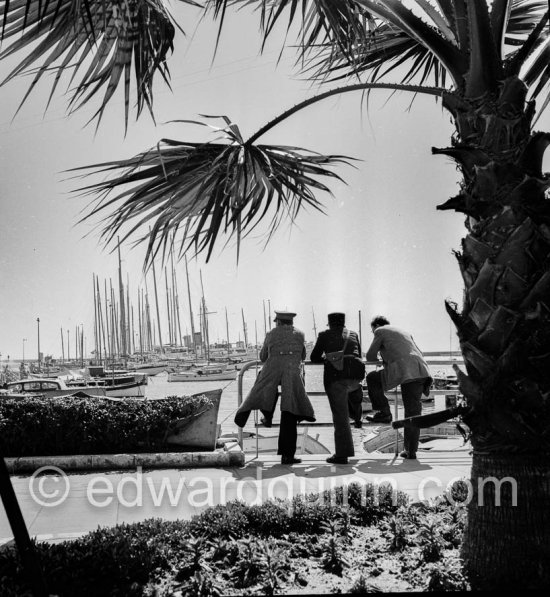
(226,543)
(362,586)
(270,518)
(459,492)
(107,561)
(446,576)
(69,425)
(399,530)
(248,567)
(224,520)
(432,543)
(334,560)
(275,566)
(368,502)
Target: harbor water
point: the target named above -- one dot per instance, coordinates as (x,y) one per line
(160,387)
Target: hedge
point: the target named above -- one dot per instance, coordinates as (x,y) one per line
(128,559)
(69,425)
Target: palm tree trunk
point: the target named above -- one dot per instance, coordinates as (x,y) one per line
(504,333)
(507,538)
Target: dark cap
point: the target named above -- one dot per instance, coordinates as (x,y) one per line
(284,316)
(336,318)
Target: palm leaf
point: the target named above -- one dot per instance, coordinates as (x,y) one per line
(338,22)
(204,190)
(62,34)
(385,51)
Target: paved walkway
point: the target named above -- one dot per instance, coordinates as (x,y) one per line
(58,507)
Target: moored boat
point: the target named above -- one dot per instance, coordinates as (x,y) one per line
(53,387)
(205,373)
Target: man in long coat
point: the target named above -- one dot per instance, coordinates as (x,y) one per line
(282,352)
(404,365)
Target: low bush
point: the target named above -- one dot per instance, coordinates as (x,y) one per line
(69,425)
(257,549)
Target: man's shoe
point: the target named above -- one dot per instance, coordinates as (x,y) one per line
(290,460)
(408,455)
(337,459)
(358,424)
(380,417)
(266,422)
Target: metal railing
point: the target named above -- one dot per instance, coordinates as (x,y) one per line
(396,392)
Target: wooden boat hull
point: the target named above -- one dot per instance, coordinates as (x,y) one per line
(199,431)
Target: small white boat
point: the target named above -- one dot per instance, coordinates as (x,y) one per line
(206,373)
(149,368)
(53,387)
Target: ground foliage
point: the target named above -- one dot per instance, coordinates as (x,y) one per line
(69,425)
(312,544)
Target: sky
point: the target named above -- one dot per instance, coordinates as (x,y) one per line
(380,248)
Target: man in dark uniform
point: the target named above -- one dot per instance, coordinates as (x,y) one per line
(340,384)
(282,353)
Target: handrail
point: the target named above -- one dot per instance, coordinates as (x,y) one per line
(250,364)
(244,368)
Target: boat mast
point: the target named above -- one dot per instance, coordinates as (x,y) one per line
(190,309)
(314,326)
(168,309)
(114,321)
(157,303)
(244,331)
(96,349)
(101,326)
(130,318)
(97,339)
(62,347)
(109,345)
(205,314)
(149,334)
(227,332)
(176,301)
(360,333)
(123,348)
(140,324)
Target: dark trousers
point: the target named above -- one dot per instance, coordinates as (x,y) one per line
(355,404)
(288,434)
(411,393)
(338,396)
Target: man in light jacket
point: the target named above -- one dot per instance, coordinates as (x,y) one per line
(404,365)
(282,353)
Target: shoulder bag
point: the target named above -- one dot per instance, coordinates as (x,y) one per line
(336,359)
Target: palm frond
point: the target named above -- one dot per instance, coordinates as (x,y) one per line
(395,37)
(528,31)
(523,18)
(105,36)
(386,51)
(338,22)
(202,191)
